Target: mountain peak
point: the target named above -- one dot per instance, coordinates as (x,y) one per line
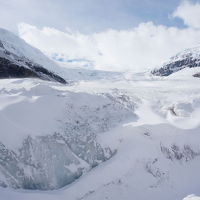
(189,58)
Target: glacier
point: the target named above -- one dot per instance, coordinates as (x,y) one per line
(95,141)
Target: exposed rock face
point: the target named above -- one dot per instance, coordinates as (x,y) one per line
(187,59)
(9,69)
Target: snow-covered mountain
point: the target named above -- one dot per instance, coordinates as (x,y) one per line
(189,58)
(20,60)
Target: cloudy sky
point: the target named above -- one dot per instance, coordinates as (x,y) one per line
(112,34)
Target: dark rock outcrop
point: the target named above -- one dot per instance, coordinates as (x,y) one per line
(9,69)
(197,75)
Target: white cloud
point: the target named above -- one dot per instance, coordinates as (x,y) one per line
(143,47)
(190,13)
(69,45)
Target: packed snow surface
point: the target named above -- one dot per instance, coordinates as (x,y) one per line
(134,137)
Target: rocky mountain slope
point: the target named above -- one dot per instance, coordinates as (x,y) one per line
(189,58)
(19,60)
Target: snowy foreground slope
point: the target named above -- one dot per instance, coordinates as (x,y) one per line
(54,133)
(137,137)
